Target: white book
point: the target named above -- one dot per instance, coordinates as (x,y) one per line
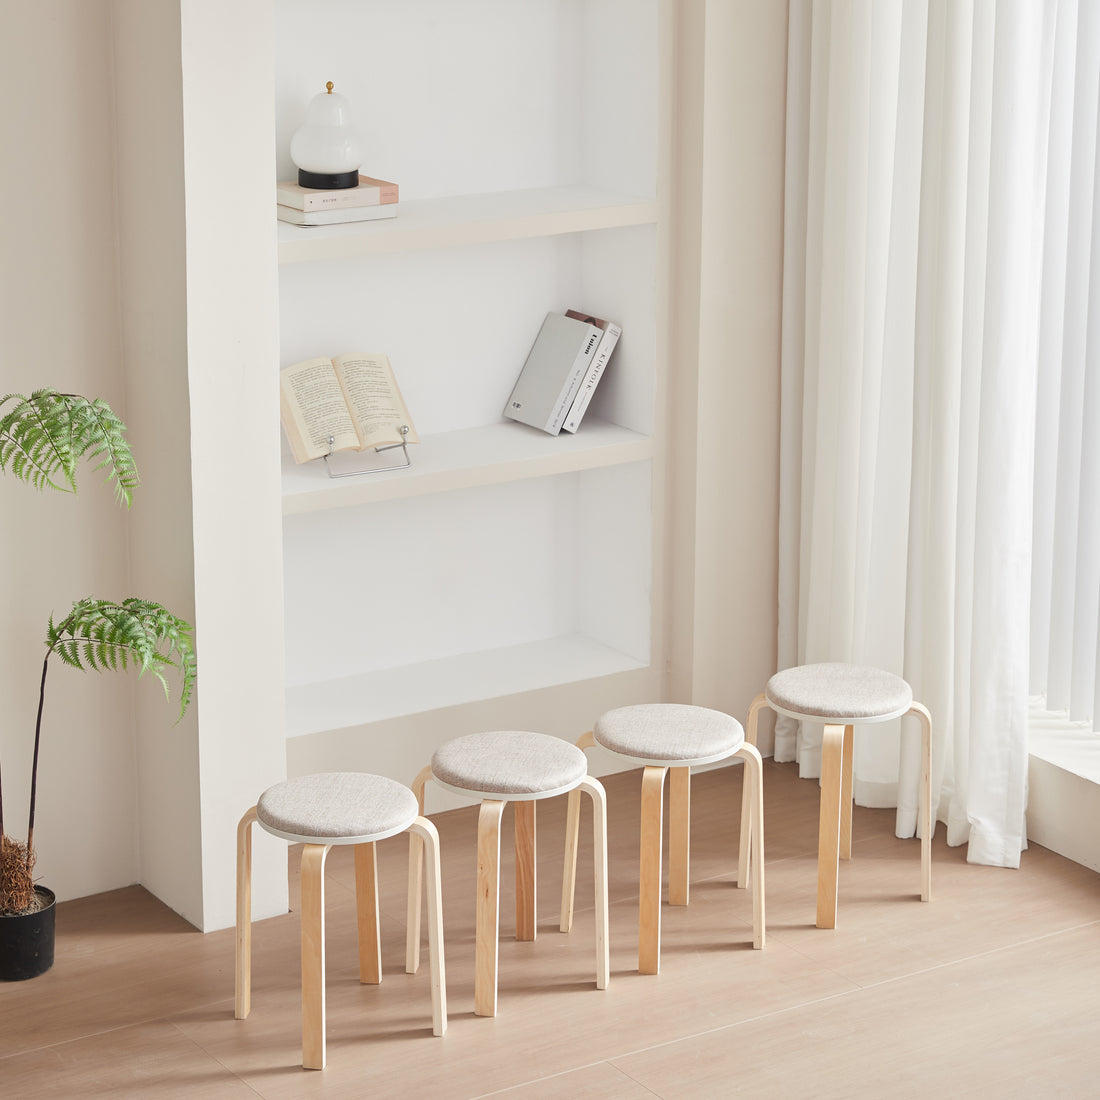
(335,217)
(370,192)
(611,334)
(553,372)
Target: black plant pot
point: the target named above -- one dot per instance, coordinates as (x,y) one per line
(26,941)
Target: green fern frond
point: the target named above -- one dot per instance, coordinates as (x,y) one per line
(99,634)
(44,436)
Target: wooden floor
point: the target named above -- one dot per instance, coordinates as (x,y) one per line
(993,989)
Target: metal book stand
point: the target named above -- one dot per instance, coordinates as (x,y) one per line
(404,445)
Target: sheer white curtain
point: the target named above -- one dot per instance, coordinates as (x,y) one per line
(916,182)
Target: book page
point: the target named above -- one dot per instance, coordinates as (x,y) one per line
(375,401)
(313,408)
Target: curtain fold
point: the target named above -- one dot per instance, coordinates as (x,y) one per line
(917,142)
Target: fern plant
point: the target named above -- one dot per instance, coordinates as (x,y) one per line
(43,438)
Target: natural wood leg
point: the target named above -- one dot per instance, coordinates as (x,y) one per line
(366,900)
(744,864)
(313,955)
(426,832)
(846,794)
(572,838)
(649,872)
(595,790)
(526,903)
(416,875)
(569,865)
(488,907)
(927,825)
(753,782)
(242,1004)
(828,836)
(679,835)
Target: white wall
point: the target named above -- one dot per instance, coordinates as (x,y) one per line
(59,327)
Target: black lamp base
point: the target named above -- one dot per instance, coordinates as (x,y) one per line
(328,181)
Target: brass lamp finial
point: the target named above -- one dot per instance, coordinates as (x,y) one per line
(328,87)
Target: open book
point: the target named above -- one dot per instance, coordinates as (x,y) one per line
(352,399)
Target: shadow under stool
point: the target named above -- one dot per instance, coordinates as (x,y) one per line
(672,737)
(497,768)
(320,811)
(842,696)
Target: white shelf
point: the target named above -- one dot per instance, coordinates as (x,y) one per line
(491,455)
(466,678)
(469,219)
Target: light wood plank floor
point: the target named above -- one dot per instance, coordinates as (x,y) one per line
(993,989)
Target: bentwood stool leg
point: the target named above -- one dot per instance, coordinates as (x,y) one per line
(572,837)
(744,869)
(526,904)
(753,823)
(366,900)
(243,998)
(828,844)
(679,835)
(594,789)
(846,793)
(488,907)
(416,879)
(649,871)
(925,800)
(429,838)
(313,955)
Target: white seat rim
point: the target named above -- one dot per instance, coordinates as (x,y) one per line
(365,838)
(839,719)
(674,762)
(509,796)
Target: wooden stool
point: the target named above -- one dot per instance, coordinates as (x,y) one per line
(677,736)
(842,696)
(500,767)
(320,811)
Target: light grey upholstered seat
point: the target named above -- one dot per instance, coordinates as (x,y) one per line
(661,734)
(337,808)
(509,764)
(839,693)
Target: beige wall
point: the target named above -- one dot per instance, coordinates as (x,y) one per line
(730,203)
(59,327)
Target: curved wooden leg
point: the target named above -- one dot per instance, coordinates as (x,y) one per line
(828,836)
(313,955)
(595,791)
(416,876)
(488,907)
(753,781)
(426,833)
(526,890)
(572,838)
(846,794)
(679,835)
(649,872)
(927,825)
(744,868)
(366,901)
(242,1002)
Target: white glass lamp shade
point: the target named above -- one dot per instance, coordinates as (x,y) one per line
(326,145)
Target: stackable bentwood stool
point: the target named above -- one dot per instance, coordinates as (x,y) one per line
(320,811)
(676,736)
(519,767)
(843,696)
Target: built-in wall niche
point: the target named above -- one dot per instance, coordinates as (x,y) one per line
(457,323)
(477,96)
(413,604)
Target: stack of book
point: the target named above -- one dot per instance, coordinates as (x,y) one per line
(371,200)
(562,370)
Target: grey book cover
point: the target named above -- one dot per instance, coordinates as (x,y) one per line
(552,372)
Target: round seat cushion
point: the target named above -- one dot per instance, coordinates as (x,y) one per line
(510,765)
(337,808)
(836,692)
(676,734)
